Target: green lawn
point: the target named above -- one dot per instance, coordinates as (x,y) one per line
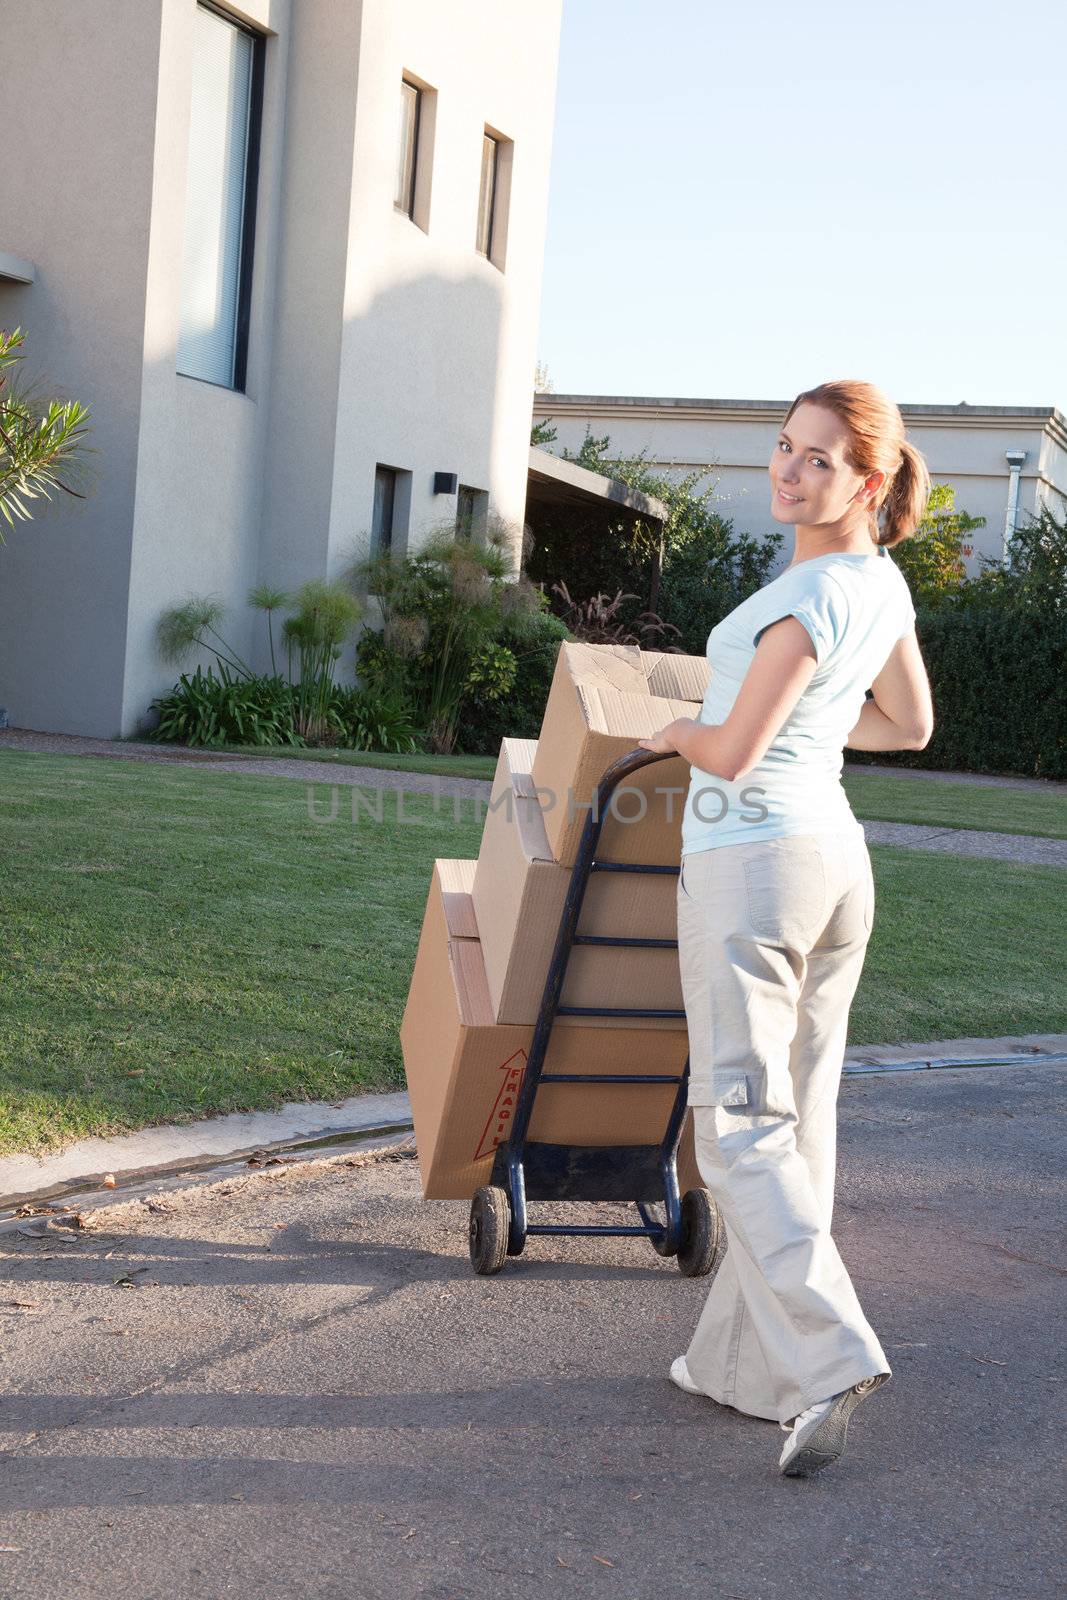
(444,766)
(179,942)
(873,796)
(877,798)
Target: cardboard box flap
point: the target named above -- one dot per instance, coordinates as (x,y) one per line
(627,716)
(519,758)
(677,677)
(457,881)
(514,801)
(472,989)
(618,666)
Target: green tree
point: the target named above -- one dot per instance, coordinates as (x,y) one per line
(42,442)
(543,433)
(1034,576)
(690,570)
(932,559)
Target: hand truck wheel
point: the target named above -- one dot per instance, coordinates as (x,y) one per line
(489,1225)
(703,1240)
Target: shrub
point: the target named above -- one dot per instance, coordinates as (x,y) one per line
(597,621)
(206,709)
(215,709)
(999,683)
(995,648)
(325,615)
(517,714)
(452,614)
(1033,579)
(297,706)
(364,719)
(690,572)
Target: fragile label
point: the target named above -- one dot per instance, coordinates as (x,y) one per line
(496,1129)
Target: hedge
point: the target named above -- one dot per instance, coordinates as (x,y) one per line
(999,685)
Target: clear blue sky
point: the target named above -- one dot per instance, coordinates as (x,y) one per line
(751,198)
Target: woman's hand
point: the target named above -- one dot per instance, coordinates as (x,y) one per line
(663,743)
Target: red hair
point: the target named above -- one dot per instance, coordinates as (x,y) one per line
(876,441)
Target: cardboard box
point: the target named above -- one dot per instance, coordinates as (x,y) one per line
(464,1069)
(603,699)
(519,890)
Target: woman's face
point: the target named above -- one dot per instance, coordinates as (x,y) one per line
(811,483)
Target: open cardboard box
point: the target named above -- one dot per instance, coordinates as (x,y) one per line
(464,1069)
(602,700)
(519,890)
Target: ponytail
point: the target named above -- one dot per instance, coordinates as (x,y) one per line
(903,505)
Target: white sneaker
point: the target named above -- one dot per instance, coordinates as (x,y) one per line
(680,1376)
(817,1436)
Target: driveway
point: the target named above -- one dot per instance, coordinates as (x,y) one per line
(290,1384)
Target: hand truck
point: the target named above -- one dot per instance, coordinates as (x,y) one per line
(692,1228)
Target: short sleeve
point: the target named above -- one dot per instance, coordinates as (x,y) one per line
(823,609)
(909,623)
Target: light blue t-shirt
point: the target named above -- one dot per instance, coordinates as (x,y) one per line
(855,607)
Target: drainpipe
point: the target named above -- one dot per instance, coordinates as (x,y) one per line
(1015,459)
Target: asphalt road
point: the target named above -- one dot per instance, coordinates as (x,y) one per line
(299,1389)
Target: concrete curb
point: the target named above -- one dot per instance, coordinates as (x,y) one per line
(155,1152)
(160,1152)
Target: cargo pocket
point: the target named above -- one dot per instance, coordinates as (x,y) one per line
(721,1089)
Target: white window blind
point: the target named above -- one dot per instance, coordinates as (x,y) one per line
(215,199)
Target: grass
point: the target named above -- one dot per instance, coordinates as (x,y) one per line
(873,796)
(178,943)
(444,766)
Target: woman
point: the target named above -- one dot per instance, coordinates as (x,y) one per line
(775,906)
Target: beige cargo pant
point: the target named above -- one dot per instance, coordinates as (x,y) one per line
(771,941)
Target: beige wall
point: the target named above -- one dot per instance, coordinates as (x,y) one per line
(733,441)
(83,218)
(430,347)
(201,447)
(371,339)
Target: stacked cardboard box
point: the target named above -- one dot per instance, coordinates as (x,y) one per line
(490,927)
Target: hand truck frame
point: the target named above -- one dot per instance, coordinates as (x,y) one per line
(525,1170)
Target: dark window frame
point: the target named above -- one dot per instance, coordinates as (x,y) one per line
(249,200)
(492,139)
(379,545)
(407,209)
(470,524)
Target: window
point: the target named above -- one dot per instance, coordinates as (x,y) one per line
(381,529)
(487,195)
(472,509)
(391,510)
(494,197)
(408,154)
(220,206)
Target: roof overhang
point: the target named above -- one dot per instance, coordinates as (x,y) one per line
(15,270)
(552,481)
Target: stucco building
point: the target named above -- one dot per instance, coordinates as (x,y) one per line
(1003,461)
(290,255)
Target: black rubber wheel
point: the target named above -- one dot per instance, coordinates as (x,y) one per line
(703,1238)
(490,1221)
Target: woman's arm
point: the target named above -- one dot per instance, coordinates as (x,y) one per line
(901,715)
(780,671)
